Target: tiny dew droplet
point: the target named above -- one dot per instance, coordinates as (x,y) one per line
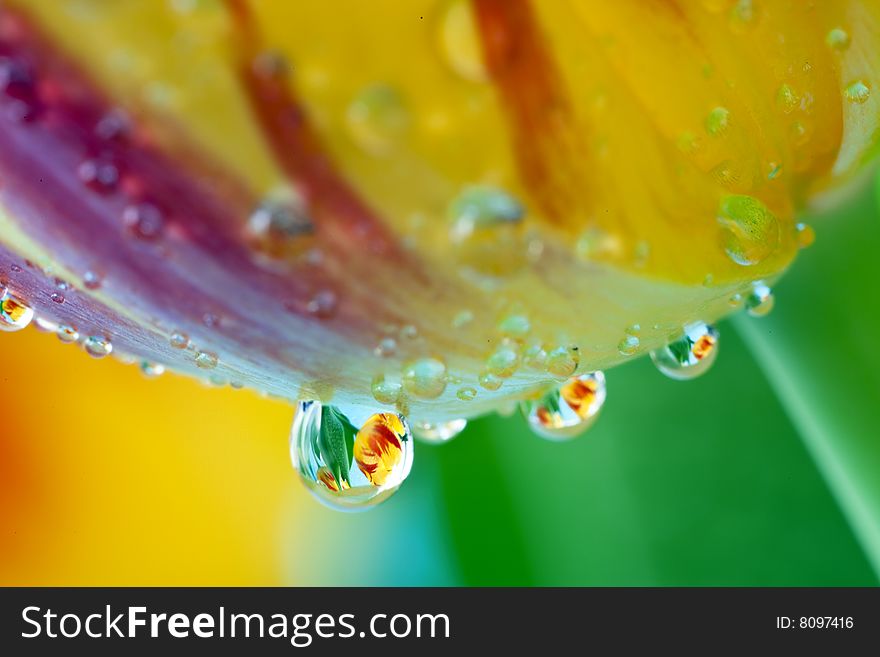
(467,393)
(67,334)
(377,119)
(760,301)
(628,345)
(323,304)
(837,39)
(440,432)
(97,346)
(718,121)
(15,314)
(690,355)
(278,219)
(350,461)
(179,340)
(787,99)
(503,362)
(425,378)
(489,381)
(750,231)
(735,300)
(858,92)
(568,411)
(206,360)
(92,280)
(386,347)
(151,370)
(480,207)
(462,319)
(57,297)
(144,221)
(515,326)
(805,235)
(563,361)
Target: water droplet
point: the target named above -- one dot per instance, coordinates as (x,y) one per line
(57,297)
(743,16)
(15,314)
(489,381)
(462,319)
(151,370)
(144,221)
(279,219)
(409,332)
(211,320)
(735,301)
(718,121)
(179,340)
(386,347)
(857,92)
(92,280)
(348,461)
(837,39)
(44,325)
(97,346)
(67,334)
(377,119)
(760,301)
(503,362)
(468,393)
(516,327)
(99,175)
(535,357)
(481,207)
(460,42)
(206,360)
(690,355)
(805,235)
(628,345)
(440,432)
(569,410)
(775,170)
(425,378)
(750,231)
(563,361)
(323,304)
(385,391)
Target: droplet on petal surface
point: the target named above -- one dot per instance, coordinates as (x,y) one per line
(206,360)
(689,355)
(837,38)
(858,92)
(440,432)
(377,119)
(718,121)
(179,340)
(425,378)
(67,334)
(568,411)
(15,314)
(750,231)
(350,460)
(563,361)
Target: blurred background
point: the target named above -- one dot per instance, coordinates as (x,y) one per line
(761,473)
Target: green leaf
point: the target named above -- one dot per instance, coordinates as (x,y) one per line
(819,349)
(333,445)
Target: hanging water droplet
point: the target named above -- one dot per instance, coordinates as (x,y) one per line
(690,355)
(384,390)
(44,324)
(350,461)
(151,370)
(858,92)
(760,301)
(460,43)
(718,121)
(97,346)
(179,340)
(563,361)
(837,39)
(440,432)
(67,334)
(468,393)
(480,207)
(503,362)
(144,221)
(15,314)
(377,119)
(425,378)
(206,360)
(805,235)
(750,231)
(569,410)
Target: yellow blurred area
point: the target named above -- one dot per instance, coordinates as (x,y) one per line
(108,478)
